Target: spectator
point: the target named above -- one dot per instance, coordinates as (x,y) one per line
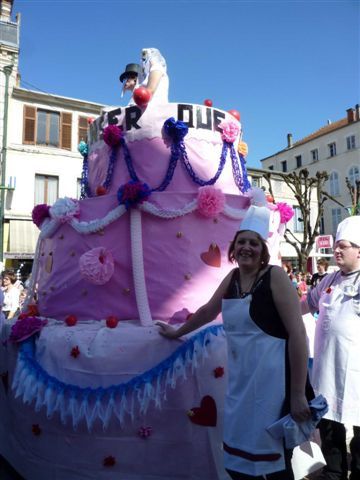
(322,266)
(336,368)
(11,293)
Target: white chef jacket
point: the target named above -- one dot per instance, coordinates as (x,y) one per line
(336,369)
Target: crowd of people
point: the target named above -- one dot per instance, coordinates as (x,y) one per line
(305,281)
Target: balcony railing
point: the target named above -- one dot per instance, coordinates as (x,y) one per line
(9,34)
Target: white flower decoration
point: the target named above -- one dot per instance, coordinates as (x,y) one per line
(65,209)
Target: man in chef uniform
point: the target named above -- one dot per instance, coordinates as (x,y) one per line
(336,370)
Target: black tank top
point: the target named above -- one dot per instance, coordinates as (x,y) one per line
(263,310)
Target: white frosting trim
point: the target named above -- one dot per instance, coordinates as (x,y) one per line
(141,295)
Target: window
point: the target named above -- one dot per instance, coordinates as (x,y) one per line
(46,127)
(284,166)
(82,130)
(298,221)
(334,183)
(271,167)
(335,218)
(350,142)
(332,149)
(255,182)
(354,175)
(322,225)
(298,161)
(46,189)
(315,155)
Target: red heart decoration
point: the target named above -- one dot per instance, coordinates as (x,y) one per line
(212,257)
(206,414)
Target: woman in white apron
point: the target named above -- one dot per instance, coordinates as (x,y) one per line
(336,370)
(267,353)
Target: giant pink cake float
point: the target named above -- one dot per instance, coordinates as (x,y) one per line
(94,390)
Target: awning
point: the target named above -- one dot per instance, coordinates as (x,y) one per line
(23,236)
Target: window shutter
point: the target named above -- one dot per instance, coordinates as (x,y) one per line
(29,125)
(83,126)
(66,119)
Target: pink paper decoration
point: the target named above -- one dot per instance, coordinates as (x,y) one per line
(230,130)
(97,265)
(211,201)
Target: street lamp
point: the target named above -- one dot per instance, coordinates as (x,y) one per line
(7,71)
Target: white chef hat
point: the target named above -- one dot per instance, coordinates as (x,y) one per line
(349,229)
(257,219)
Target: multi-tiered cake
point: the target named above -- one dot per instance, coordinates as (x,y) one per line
(90,389)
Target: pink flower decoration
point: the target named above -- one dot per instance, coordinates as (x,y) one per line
(40,213)
(97,265)
(230,130)
(211,201)
(112,135)
(286,212)
(145,432)
(23,329)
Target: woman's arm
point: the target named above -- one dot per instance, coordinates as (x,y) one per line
(154,80)
(288,306)
(203,315)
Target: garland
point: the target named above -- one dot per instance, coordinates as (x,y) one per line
(34,384)
(176,131)
(84,228)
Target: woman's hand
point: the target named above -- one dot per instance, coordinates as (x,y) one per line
(299,408)
(167,330)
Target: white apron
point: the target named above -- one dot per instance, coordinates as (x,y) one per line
(256,392)
(336,370)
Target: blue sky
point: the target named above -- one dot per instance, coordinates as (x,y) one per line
(287,66)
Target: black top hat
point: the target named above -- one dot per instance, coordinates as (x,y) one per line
(133,68)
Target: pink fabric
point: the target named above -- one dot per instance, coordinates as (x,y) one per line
(174,271)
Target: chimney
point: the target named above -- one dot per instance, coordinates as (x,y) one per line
(350,115)
(5,10)
(289,140)
(357,111)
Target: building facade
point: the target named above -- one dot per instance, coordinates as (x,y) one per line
(282,193)
(334,148)
(40,162)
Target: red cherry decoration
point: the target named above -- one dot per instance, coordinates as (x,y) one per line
(111,322)
(71,320)
(142,96)
(33,310)
(75,352)
(208,102)
(235,114)
(100,190)
(269,199)
(219,372)
(90,120)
